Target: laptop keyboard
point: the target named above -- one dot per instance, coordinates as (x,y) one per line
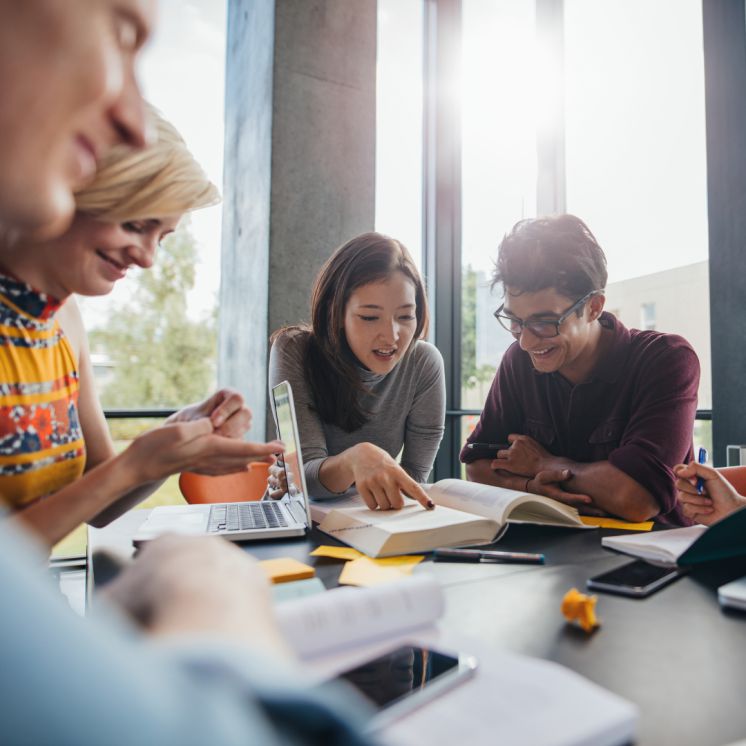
(245,516)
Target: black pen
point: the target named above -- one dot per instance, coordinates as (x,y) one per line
(485,555)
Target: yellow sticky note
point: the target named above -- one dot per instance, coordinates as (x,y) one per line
(366,572)
(406,562)
(592,520)
(285,569)
(344,553)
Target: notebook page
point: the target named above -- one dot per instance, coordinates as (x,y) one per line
(663,546)
(344,617)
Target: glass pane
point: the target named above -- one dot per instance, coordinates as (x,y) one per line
(399,123)
(635,159)
(499,170)
(153,340)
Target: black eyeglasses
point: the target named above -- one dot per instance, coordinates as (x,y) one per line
(543,328)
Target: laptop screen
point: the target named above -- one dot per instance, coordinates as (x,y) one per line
(287,431)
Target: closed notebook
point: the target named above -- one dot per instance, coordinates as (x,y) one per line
(692,545)
(467,514)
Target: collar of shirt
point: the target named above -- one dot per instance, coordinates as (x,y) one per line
(611,365)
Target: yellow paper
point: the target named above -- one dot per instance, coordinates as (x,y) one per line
(406,562)
(285,569)
(592,520)
(345,553)
(366,572)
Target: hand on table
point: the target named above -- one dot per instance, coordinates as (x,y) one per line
(192,446)
(381,481)
(549,483)
(199,586)
(226,410)
(719,497)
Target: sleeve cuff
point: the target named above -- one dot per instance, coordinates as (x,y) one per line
(649,471)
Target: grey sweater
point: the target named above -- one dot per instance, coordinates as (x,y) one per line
(407,409)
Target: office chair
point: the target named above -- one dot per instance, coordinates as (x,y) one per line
(736,475)
(243,486)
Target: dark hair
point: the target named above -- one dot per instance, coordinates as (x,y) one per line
(558,251)
(331,366)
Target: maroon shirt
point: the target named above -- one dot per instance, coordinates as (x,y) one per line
(637,411)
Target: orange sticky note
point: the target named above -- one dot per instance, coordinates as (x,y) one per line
(581,608)
(285,569)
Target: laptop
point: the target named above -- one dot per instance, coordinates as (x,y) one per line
(247,521)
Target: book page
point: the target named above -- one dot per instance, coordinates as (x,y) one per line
(502,504)
(485,500)
(345,617)
(379,533)
(321,508)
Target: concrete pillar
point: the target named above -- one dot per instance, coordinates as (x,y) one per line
(299,173)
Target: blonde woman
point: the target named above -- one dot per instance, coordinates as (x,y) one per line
(58,466)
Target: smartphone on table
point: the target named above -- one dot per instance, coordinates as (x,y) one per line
(637,579)
(406,678)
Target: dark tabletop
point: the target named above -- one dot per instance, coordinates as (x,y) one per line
(676,654)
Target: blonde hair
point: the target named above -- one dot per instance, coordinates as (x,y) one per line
(162,180)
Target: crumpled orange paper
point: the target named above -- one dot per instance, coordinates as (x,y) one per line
(581,608)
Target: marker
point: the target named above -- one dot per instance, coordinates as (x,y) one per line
(479,555)
(701,459)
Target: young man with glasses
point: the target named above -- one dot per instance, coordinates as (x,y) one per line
(582,409)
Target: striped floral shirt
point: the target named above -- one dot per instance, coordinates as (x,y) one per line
(41,442)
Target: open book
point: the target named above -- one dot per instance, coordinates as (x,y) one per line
(511,699)
(687,546)
(347,617)
(468,514)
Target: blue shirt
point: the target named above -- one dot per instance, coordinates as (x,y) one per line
(67,680)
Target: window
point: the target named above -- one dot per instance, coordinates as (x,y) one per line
(154,338)
(499,169)
(636,159)
(647,316)
(399,123)
(593,107)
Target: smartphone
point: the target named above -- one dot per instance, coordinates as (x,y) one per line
(637,579)
(406,678)
(486,450)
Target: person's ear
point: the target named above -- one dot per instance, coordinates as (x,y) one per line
(596,306)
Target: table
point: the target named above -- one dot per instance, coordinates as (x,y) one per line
(676,654)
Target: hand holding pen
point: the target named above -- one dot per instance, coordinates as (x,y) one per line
(704,494)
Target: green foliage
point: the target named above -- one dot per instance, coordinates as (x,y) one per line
(471,375)
(468,327)
(161,358)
